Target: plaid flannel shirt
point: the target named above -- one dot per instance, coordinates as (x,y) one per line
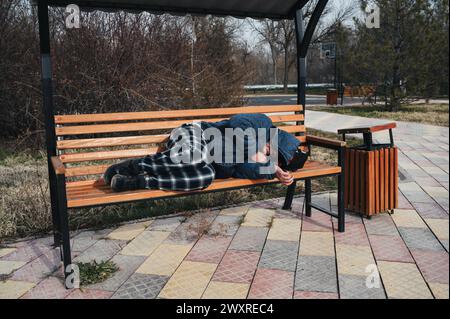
(183,165)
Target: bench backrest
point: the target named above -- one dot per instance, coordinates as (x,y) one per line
(88,143)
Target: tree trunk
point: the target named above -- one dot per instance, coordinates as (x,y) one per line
(286,71)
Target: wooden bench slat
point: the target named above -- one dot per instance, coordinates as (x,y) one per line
(152,115)
(104,195)
(95,185)
(99,169)
(136,140)
(109,155)
(148,126)
(110,141)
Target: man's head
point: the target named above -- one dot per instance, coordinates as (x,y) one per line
(290,157)
(297,161)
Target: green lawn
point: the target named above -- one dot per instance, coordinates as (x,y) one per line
(434,114)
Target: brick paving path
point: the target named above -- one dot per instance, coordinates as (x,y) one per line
(260,251)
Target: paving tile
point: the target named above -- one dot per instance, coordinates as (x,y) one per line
(102,250)
(316,244)
(235,211)
(445,244)
(12,289)
(6,251)
(49,288)
(129,231)
(285,229)
(381,224)
(86,239)
(353,260)
(355,287)
(355,234)
(316,273)
(39,268)
(408,218)
(27,251)
(189,281)
(440,291)
(324,200)
(272,284)
(291,214)
(279,254)
(164,260)
(420,238)
(209,249)
(439,227)
(390,248)
(315,295)
(258,217)
(414,193)
(89,294)
(427,181)
(127,266)
(237,266)
(141,286)
(166,224)
(192,229)
(436,192)
(249,238)
(8,266)
(433,265)
(145,243)
(403,281)
(403,203)
(352,218)
(226,290)
(317,222)
(225,225)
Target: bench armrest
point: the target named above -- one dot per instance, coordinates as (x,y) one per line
(325,142)
(58,166)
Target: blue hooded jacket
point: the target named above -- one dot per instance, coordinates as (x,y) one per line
(287,146)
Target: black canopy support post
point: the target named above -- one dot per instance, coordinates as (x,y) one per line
(47,98)
(301,60)
(303,39)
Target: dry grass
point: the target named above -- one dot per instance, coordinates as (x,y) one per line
(434,114)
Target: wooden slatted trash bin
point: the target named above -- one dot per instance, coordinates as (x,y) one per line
(371,172)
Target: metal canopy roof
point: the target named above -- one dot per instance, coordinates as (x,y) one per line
(272,9)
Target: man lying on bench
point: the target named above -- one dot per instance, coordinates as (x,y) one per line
(245,146)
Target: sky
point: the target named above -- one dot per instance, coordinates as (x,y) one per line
(251,37)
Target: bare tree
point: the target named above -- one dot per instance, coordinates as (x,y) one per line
(270,34)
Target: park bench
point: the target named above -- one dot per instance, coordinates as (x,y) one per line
(88,143)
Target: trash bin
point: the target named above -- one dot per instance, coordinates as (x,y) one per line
(371,173)
(332,97)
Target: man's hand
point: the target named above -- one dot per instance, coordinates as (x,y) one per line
(284,177)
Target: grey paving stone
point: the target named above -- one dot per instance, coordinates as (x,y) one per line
(418,197)
(279,254)
(102,250)
(316,273)
(420,238)
(141,286)
(445,243)
(381,225)
(354,287)
(249,238)
(86,239)
(127,266)
(166,224)
(192,229)
(225,225)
